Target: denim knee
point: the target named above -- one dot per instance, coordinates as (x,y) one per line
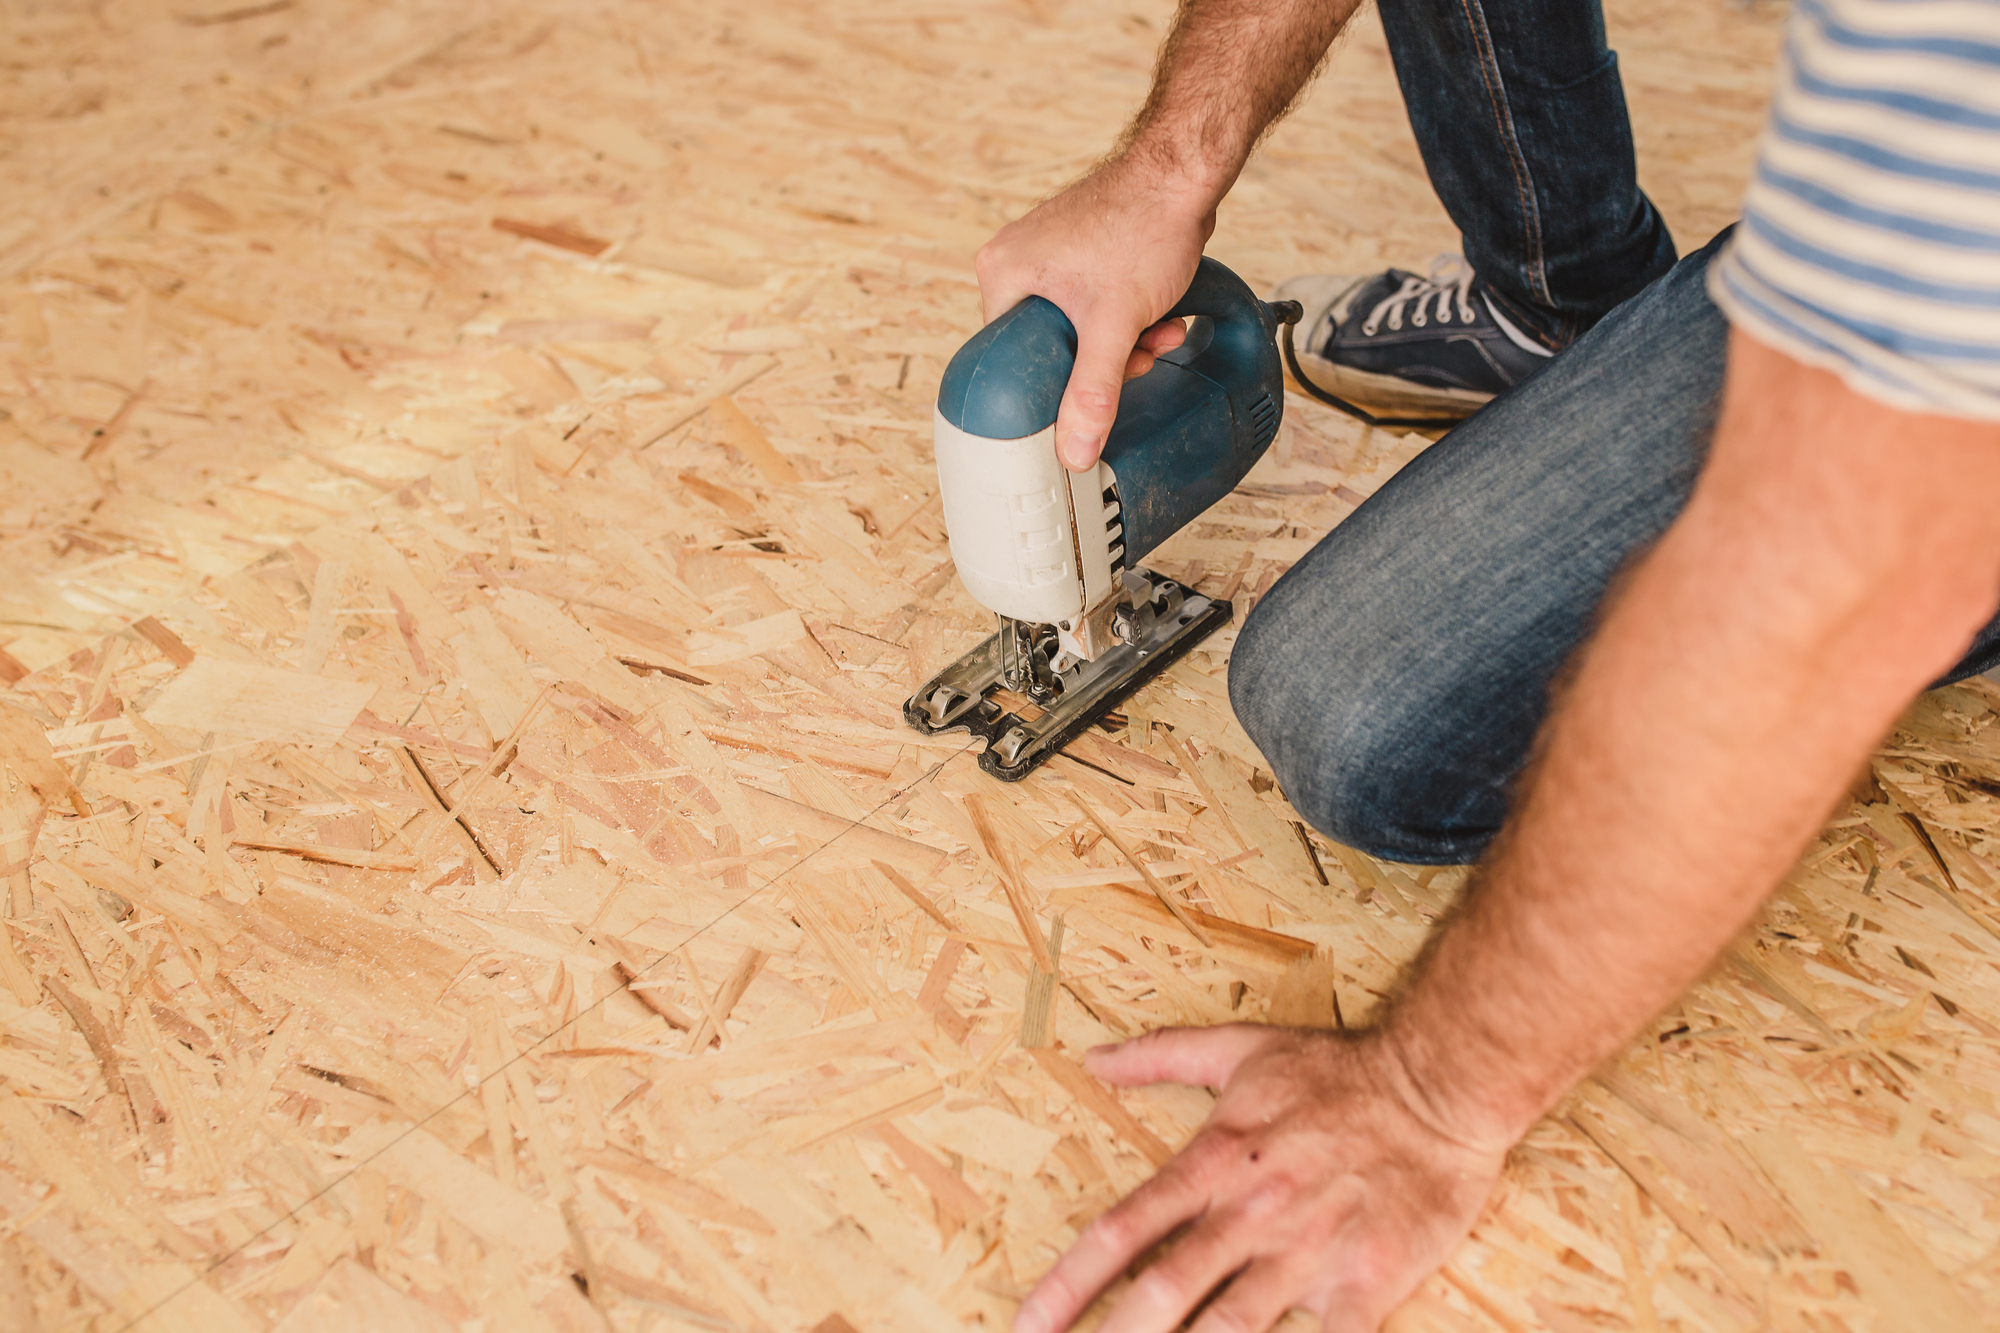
(1356,741)
(1396,677)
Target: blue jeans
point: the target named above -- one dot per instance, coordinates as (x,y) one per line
(1396,676)
(1520,115)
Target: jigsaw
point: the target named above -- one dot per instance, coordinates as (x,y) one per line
(1055,554)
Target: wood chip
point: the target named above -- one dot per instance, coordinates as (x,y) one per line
(259,703)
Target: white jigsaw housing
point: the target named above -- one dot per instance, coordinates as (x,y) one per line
(1032,540)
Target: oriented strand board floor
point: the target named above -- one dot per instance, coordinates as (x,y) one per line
(467,529)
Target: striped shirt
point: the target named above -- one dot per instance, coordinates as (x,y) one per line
(1870,240)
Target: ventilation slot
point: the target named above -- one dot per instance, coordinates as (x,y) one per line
(1114,525)
(1264,419)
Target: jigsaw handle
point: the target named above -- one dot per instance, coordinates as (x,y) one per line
(1007,381)
(1187,430)
(1190,428)
(1218,293)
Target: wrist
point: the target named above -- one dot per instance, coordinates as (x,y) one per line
(1175,170)
(1479,1109)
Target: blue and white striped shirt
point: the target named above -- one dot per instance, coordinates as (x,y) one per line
(1870,241)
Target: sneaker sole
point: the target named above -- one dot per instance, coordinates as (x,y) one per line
(1389,395)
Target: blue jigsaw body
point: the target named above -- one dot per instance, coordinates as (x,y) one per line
(1187,431)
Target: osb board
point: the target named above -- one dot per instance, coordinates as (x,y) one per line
(464,865)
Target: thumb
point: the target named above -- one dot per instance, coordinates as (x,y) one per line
(1207,1057)
(1090,404)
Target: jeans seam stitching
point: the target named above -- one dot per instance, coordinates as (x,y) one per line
(1503,117)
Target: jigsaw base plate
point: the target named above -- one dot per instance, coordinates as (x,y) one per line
(960,696)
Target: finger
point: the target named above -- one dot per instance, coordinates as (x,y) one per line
(1000,287)
(1376,1272)
(1164,336)
(1204,1056)
(1107,1247)
(1090,404)
(1000,297)
(1256,1298)
(1355,1309)
(1162,1296)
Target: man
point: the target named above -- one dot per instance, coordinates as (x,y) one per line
(1743,551)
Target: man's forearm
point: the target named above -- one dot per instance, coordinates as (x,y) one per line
(1117,248)
(1227,71)
(1835,557)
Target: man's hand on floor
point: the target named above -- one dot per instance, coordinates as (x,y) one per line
(1113,252)
(1317,1182)
(1837,554)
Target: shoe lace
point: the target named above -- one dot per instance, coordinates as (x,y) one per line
(1450,282)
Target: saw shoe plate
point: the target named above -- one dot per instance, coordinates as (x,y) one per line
(961,695)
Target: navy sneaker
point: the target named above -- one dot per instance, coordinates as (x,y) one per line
(1397,349)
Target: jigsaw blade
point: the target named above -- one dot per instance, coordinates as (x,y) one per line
(1020,739)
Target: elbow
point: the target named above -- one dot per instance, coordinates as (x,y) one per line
(1890,595)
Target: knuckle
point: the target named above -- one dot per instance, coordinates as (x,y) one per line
(1162,1286)
(1348,1194)
(1270,1195)
(1112,1231)
(1373,1262)
(1213,1150)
